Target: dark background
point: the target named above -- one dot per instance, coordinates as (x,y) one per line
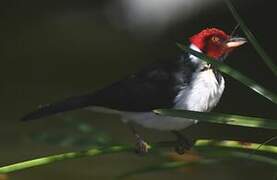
(52,50)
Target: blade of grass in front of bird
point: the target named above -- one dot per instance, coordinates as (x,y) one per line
(220,118)
(268,61)
(233,73)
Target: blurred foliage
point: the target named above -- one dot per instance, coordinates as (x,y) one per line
(3,177)
(210,157)
(74,133)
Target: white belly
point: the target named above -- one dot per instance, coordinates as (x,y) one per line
(148,119)
(154,121)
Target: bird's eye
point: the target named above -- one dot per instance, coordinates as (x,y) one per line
(215,39)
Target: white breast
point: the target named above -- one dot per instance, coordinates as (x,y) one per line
(203,94)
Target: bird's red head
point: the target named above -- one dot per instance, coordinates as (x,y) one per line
(215,42)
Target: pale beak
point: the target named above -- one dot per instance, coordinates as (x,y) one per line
(234,42)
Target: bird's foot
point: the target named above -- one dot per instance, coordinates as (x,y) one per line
(141,146)
(183,144)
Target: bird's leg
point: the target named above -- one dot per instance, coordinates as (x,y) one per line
(183,143)
(141,145)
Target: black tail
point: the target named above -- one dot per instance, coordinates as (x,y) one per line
(62,106)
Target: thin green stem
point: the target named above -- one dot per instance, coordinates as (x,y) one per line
(123,148)
(237,145)
(61,157)
(268,61)
(220,118)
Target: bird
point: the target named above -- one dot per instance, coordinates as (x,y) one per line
(185,82)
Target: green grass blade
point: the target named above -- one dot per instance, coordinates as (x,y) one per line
(238,145)
(233,73)
(220,118)
(268,61)
(61,157)
(127,148)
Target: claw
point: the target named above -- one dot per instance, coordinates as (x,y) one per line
(183,144)
(141,146)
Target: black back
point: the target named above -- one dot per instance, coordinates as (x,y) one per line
(154,87)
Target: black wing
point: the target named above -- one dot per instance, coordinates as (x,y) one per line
(152,88)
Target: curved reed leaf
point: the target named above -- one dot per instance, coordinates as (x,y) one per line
(235,145)
(61,157)
(124,148)
(234,74)
(268,61)
(220,118)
